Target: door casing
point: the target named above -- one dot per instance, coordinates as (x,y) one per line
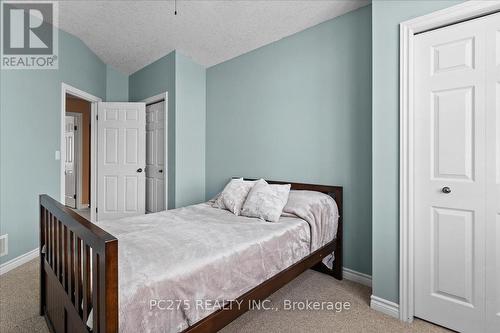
(67,89)
(408,29)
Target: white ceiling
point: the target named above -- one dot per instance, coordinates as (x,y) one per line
(132,34)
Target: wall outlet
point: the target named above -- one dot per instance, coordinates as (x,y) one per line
(4,245)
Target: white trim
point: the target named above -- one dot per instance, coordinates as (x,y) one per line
(18,261)
(156,98)
(151,100)
(408,29)
(357,277)
(382,305)
(67,89)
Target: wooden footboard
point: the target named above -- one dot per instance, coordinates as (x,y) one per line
(78,271)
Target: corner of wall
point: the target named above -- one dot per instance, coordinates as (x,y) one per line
(117,85)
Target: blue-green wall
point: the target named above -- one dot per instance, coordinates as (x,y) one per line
(299,110)
(116,85)
(385,21)
(30,113)
(185,82)
(190,126)
(154,79)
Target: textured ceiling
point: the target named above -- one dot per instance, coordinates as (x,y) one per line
(132,34)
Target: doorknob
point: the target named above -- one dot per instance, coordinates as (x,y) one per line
(446,190)
(139,170)
(160,171)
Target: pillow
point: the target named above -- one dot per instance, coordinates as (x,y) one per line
(266,201)
(233,196)
(217,200)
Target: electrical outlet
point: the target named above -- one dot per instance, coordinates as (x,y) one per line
(4,245)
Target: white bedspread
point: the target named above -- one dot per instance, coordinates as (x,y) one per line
(198,253)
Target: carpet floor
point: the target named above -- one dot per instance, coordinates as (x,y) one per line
(19,299)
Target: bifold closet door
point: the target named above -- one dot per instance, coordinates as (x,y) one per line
(493,175)
(456,176)
(155,157)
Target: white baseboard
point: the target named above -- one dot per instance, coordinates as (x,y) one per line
(16,262)
(358,277)
(385,306)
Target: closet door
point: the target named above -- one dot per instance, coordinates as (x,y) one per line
(450,176)
(493,175)
(155,157)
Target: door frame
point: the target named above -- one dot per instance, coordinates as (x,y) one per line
(155,99)
(408,29)
(78,156)
(67,89)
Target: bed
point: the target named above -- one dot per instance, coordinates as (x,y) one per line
(229,259)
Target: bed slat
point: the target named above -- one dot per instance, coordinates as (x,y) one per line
(71,265)
(86,281)
(95,289)
(78,276)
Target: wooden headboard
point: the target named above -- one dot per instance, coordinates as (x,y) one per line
(336,192)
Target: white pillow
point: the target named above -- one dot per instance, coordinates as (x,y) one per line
(233,196)
(266,201)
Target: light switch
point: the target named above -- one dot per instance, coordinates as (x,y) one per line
(58,155)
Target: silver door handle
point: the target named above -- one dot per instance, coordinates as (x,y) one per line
(446,190)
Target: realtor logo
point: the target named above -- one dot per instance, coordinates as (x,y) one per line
(29,36)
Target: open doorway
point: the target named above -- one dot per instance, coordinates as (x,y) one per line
(78,150)
(77,157)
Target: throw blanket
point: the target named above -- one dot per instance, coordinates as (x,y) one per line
(177,266)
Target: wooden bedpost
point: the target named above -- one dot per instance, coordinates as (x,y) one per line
(338,262)
(42,256)
(110,268)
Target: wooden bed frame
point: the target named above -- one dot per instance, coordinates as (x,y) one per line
(79,271)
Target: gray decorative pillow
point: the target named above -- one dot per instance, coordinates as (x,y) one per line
(266,201)
(233,196)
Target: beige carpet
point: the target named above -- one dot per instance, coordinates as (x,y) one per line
(19,307)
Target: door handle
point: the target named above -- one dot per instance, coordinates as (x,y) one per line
(446,190)
(160,171)
(139,170)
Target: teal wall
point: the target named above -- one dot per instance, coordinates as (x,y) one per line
(299,110)
(190,102)
(185,82)
(30,112)
(152,80)
(116,85)
(385,23)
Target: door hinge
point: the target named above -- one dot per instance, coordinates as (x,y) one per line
(96,117)
(74,196)
(76,127)
(96,209)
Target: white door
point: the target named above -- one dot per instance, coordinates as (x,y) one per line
(69,162)
(453,110)
(155,157)
(121,155)
(493,176)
